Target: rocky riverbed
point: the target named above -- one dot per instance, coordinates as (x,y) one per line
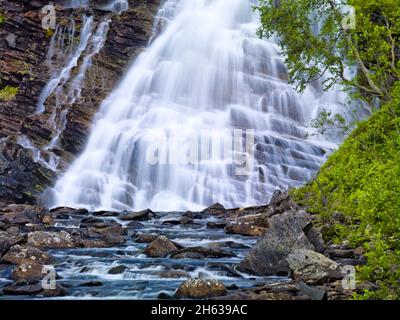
(271,252)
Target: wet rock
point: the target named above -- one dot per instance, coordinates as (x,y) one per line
(58,291)
(28,271)
(112,238)
(91,221)
(285,235)
(228,244)
(51,240)
(21,254)
(48,219)
(339,253)
(22,179)
(258,220)
(165,296)
(66,212)
(200,289)
(18,290)
(141,216)
(312,267)
(248,224)
(7,241)
(117,270)
(193,215)
(135,225)
(312,292)
(22,214)
(315,237)
(90,243)
(171,222)
(145,238)
(245,229)
(93,283)
(160,247)
(172,274)
(13,230)
(281,202)
(216,225)
(217,210)
(106,214)
(186,220)
(200,253)
(351,262)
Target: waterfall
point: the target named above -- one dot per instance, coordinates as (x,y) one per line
(206,81)
(63,58)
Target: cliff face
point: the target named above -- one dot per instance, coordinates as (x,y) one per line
(25,135)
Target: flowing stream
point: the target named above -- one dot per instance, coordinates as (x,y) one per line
(204,115)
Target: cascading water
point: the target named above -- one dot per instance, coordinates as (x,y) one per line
(65,85)
(204,78)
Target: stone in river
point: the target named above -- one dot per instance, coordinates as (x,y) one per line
(160,247)
(200,289)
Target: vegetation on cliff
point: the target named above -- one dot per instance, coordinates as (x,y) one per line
(8,93)
(356,193)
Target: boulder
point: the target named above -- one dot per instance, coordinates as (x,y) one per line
(22,290)
(200,289)
(172,274)
(65,212)
(7,241)
(313,293)
(117,269)
(22,214)
(145,238)
(217,210)
(245,229)
(24,254)
(285,235)
(160,247)
(58,291)
(216,225)
(51,240)
(92,283)
(112,238)
(312,267)
(141,216)
(28,271)
(201,253)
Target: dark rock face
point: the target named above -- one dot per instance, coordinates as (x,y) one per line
(312,267)
(22,179)
(285,235)
(23,51)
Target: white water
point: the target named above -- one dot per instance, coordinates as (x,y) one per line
(205,75)
(63,59)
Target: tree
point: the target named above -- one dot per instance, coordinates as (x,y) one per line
(319,43)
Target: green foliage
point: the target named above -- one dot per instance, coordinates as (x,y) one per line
(8,93)
(327,122)
(360,183)
(316,44)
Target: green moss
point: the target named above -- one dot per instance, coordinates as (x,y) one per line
(357,197)
(3,18)
(8,93)
(49,32)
